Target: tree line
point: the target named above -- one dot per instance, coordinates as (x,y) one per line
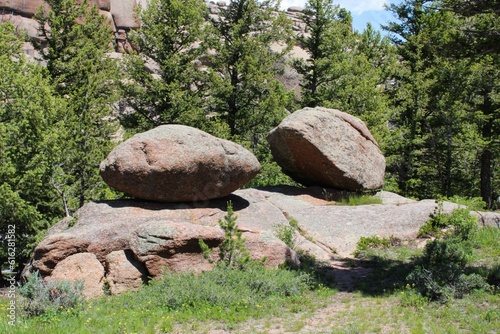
(428,92)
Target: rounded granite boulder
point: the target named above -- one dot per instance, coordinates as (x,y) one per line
(329,148)
(176,163)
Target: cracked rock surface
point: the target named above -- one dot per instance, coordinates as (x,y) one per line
(143,238)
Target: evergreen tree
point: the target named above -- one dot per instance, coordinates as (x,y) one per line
(77,40)
(171,36)
(326,40)
(28,112)
(345,70)
(477,38)
(360,79)
(248,41)
(434,135)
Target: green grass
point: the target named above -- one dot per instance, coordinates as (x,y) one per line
(354,200)
(229,296)
(257,301)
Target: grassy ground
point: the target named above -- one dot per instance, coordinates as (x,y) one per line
(381,302)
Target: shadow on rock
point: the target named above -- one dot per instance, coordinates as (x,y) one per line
(327,194)
(239,203)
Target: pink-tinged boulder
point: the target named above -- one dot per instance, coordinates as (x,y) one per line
(22,24)
(124,272)
(176,163)
(82,267)
(124,15)
(329,148)
(56,248)
(135,239)
(265,245)
(166,244)
(24,7)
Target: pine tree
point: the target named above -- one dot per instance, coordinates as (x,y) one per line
(29,110)
(345,70)
(434,135)
(170,36)
(326,46)
(77,40)
(248,41)
(477,39)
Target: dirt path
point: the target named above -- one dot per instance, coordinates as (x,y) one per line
(342,273)
(345,274)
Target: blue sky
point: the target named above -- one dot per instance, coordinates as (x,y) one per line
(363,11)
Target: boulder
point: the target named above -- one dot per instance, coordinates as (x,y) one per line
(491,219)
(124,272)
(265,245)
(81,267)
(295,9)
(173,245)
(176,163)
(22,24)
(124,15)
(327,147)
(136,239)
(26,8)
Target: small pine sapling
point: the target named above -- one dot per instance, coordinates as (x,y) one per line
(232,251)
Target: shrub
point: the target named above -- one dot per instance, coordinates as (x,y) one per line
(462,224)
(366,243)
(412,298)
(225,288)
(438,221)
(286,233)
(440,274)
(40,297)
(472,203)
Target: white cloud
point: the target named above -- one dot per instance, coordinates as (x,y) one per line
(356,7)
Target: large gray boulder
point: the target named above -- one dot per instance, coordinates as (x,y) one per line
(176,163)
(327,147)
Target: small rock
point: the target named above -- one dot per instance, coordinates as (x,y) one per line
(81,267)
(124,272)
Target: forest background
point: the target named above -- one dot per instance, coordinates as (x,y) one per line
(428,92)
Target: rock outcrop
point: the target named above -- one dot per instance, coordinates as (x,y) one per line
(126,241)
(176,163)
(120,13)
(327,147)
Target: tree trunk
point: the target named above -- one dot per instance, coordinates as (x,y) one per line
(486,154)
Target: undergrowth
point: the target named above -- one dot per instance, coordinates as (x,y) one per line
(356,199)
(366,245)
(40,298)
(443,272)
